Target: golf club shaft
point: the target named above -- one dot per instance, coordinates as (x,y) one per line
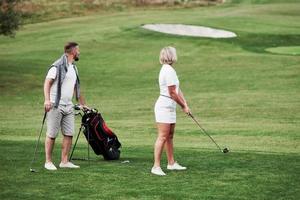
(38,141)
(204,131)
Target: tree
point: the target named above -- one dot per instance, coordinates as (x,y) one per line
(10,17)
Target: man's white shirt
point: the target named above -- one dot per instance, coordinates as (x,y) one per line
(67,88)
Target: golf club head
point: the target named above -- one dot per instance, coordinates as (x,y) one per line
(32,170)
(225,150)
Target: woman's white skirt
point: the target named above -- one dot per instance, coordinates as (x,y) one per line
(165,110)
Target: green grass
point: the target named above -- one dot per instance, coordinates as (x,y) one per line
(291,50)
(245,97)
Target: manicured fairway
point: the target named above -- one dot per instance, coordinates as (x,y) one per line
(245,97)
(293,50)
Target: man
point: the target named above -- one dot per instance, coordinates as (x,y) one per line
(61,82)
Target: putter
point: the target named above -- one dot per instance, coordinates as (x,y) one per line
(225,150)
(37,144)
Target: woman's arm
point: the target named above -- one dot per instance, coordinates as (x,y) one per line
(178,98)
(181,95)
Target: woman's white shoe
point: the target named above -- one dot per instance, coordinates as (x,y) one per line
(68,165)
(157,171)
(176,166)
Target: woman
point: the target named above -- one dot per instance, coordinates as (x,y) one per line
(165,110)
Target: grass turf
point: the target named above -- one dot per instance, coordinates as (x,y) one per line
(246,98)
(210,175)
(291,50)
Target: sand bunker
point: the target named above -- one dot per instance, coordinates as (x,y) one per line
(189,30)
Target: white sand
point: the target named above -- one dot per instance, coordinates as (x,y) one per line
(189,30)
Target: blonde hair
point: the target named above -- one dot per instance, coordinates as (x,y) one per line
(168,55)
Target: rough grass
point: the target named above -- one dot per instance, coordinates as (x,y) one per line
(40,10)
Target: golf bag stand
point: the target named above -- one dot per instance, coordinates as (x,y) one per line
(88,146)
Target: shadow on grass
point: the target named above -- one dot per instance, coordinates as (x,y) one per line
(259,42)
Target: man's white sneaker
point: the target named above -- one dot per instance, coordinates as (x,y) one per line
(176,166)
(50,166)
(157,171)
(68,165)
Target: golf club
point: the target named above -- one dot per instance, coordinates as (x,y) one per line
(225,150)
(77,107)
(37,144)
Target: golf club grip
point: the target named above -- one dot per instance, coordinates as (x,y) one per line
(44,118)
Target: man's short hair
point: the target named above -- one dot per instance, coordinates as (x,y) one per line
(69,46)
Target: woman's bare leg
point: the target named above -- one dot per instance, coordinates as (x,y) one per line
(163,133)
(169,145)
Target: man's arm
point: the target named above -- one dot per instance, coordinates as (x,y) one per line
(47,85)
(81,100)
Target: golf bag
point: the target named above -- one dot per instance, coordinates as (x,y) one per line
(102,140)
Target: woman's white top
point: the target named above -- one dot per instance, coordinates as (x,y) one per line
(165,107)
(167,77)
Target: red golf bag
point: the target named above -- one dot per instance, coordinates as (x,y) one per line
(101,138)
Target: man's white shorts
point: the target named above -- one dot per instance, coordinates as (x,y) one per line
(60,118)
